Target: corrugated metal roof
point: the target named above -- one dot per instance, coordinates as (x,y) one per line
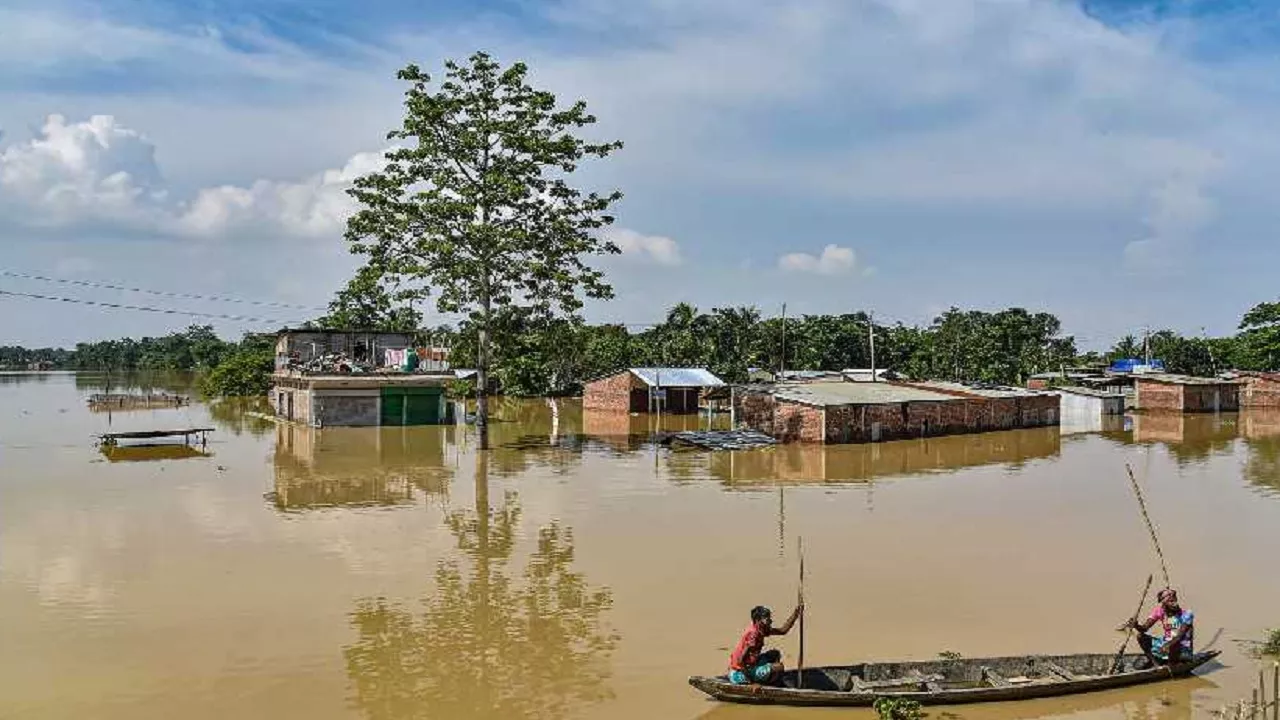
(676,377)
(1090,392)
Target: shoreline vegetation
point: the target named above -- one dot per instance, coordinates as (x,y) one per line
(534,356)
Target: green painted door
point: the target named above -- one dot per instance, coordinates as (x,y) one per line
(392,408)
(422,409)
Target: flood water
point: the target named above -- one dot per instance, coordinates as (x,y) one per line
(577,570)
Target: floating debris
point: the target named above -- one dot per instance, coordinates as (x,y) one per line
(720,439)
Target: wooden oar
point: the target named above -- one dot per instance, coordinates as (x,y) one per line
(800,601)
(1115,665)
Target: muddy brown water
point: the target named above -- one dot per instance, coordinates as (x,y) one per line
(579,571)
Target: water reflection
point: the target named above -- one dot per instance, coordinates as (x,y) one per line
(487,643)
(351,467)
(151,453)
(242,415)
(798,463)
(1190,438)
(140,382)
(1261,432)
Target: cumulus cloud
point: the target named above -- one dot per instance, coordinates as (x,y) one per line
(834,260)
(315,207)
(652,248)
(1177,210)
(99,171)
(90,170)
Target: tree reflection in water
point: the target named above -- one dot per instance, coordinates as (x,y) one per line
(485,644)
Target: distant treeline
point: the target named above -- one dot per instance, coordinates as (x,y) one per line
(231,368)
(534,356)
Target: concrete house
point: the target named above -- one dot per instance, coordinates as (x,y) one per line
(1160,392)
(671,390)
(327,378)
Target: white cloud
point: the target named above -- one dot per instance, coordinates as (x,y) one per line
(652,248)
(91,170)
(834,260)
(315,207)
(98,171)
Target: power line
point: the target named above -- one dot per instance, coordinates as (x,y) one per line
(162,293)
(143,308)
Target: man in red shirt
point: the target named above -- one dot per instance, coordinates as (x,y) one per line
(747,664)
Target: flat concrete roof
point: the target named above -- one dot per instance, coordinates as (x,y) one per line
(990,392)
(365,380)
(853,393)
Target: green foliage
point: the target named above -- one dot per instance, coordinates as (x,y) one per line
(366,304)
(897,709)
(196,348)
(1259,339)
(245,371)
(20,358)
(474,207)
(1271,646)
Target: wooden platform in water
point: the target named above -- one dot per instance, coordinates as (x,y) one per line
(117,402)
(112,438)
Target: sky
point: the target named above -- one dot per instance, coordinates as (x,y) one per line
(1110,161)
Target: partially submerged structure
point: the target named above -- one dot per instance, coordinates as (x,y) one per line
(669,390)
(1162,392)
(857,412)
(326,378)
(1260,389)
(1083,409)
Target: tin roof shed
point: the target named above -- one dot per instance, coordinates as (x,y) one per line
(676,377)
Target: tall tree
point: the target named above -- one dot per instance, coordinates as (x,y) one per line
(1260,337)
(475,206)
(366,304)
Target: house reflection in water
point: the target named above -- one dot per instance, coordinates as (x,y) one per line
(854,463)
(355,467)
(627,432)
(151,453)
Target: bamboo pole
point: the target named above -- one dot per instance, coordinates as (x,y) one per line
(1151,528)
(800,601)
(1275,691)
(1115,665)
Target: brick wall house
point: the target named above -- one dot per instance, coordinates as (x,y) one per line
(1177,393)
(636,390)
(1260,390)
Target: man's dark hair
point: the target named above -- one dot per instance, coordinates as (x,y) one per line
(759,613)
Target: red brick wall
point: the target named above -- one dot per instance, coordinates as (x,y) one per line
(1261,392)
(1208,398)
(754,410)
(793,422)
(1157,396)
(611,393)
(857,423)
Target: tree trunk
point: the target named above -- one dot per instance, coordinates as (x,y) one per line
(482,375)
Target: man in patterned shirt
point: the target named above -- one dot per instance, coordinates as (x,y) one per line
(1178,624)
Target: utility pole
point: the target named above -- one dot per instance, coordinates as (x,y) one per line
(782,364)
(871,340)
(1146,345)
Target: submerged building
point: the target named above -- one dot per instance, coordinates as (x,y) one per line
(670,390)
(1160,392)
(326,378)
(859,412)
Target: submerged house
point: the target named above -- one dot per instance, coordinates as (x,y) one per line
(1085,409)
(326,378)
(669,390)
(1161,392)
(1260,390)
(859,412)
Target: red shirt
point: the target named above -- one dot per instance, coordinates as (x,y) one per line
(747,652)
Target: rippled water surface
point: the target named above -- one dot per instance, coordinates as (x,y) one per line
(579,570)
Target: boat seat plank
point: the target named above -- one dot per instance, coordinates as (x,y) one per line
(895,682)
(994,678)
(930,683)
(1058,670)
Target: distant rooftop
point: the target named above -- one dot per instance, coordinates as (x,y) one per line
(1089,392)
(853,393)
(1172,379)
(991,391)
(676,377)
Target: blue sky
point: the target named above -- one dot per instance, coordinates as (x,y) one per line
(1112,161)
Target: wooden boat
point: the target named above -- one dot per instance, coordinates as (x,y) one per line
(951,682)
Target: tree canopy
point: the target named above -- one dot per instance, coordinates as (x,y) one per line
(474,206)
